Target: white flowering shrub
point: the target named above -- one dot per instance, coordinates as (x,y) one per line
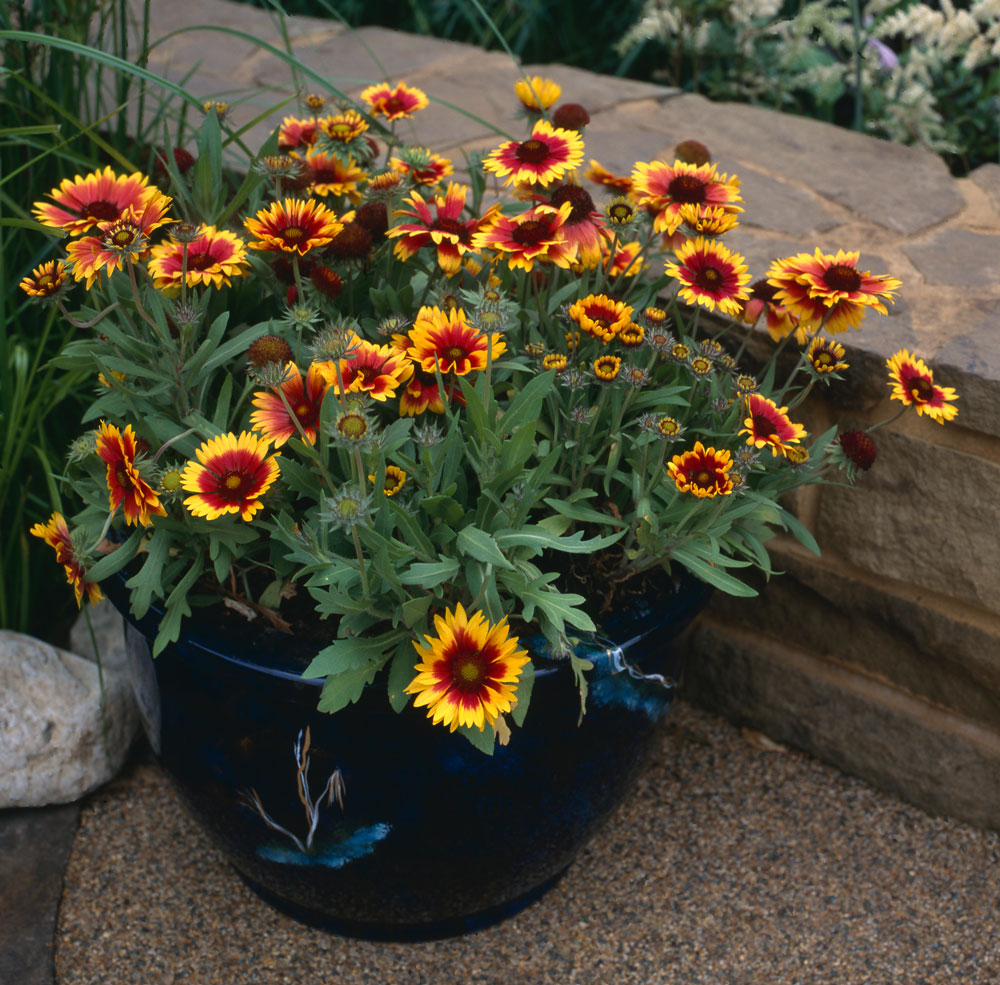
(917,73)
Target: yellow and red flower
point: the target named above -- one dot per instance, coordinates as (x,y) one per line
(395,479)
(704,472)
(627,260)
(546,156)
(45,280)
(607,368)
(913,385)
(537,93)
(533,235)
(468,674)
(295,226)
(711,275)
(55,533)
(826,356)
(377,370)
(81,203)
(304,397)
(442,228)
(600,316)
(127,488)
(394,103)
(422,394)
(618,183)
(768,425)
(709,220)
(345,129)
(294,134)
(422,166)
(446,341)
(326,174)
(822,288)
(584,229)
(230,476)
(779,320)
(212,258)
(663,189)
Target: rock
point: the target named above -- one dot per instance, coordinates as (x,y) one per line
(56,742)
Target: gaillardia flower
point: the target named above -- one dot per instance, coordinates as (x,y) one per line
(546,156)
(232,476)
(829,289)
(421,166)
(294,226)
(394,103)
(377,370)
(55,533)
(584,229)
(304,397)
(600,316)
(127,488)
(601,176)
(711,275)
(468,675)
(533,235)
(913,384)
(80,203)
(767,424)
(702,471)
(446,341)
(212,258)
(826,356)
(537,93)
(439,224)
(779,321)
(663,189)
(395,479)
(326,174)
(45,280)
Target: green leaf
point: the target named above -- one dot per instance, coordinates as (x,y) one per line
(193,368)
(430,573)
(221,416)
(117,559)
(580,667)
(525,685)
(711,573)
(794,525)
(341,690)
(527,405)
(352,653)
(483,739)
(177,608)
(539,539)
(401,672)
(414,610)
(578,511)
(146,582)
(480,545)
(443,507)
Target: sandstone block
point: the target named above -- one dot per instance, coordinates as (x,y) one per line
(935,759)
(945,653)
(52,723)
(926,514)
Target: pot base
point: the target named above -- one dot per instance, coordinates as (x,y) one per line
(408,933)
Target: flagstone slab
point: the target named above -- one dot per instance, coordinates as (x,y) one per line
(901,189)
(958,258)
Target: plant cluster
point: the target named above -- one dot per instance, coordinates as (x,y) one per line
(907,71)
(409,406)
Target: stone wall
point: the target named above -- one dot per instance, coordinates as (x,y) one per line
(881,656)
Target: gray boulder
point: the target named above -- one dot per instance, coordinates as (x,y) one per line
(57,743)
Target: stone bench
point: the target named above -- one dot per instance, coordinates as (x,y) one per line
(882,656)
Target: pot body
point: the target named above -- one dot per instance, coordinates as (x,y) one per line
(382,825)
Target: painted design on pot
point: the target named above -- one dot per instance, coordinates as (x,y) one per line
(339,844)
(628,687)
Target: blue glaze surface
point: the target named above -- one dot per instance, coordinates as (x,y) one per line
(433,837)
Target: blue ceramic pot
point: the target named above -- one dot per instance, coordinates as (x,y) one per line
(384,826)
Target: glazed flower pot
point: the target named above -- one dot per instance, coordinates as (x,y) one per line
(381,825)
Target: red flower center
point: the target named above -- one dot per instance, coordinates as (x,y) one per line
(763,427)
(453,226)
(122,476)
(236,484)
(686,188)
(580,200)
(455,352)
(708,278)
(468,670)
(101,210)
(292,234)
(842,277)
(393,105)
(532,151)
(760,290)
(921,389)
(201,260)
(530,233)
(326,176)
(703,478)
(45,282)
